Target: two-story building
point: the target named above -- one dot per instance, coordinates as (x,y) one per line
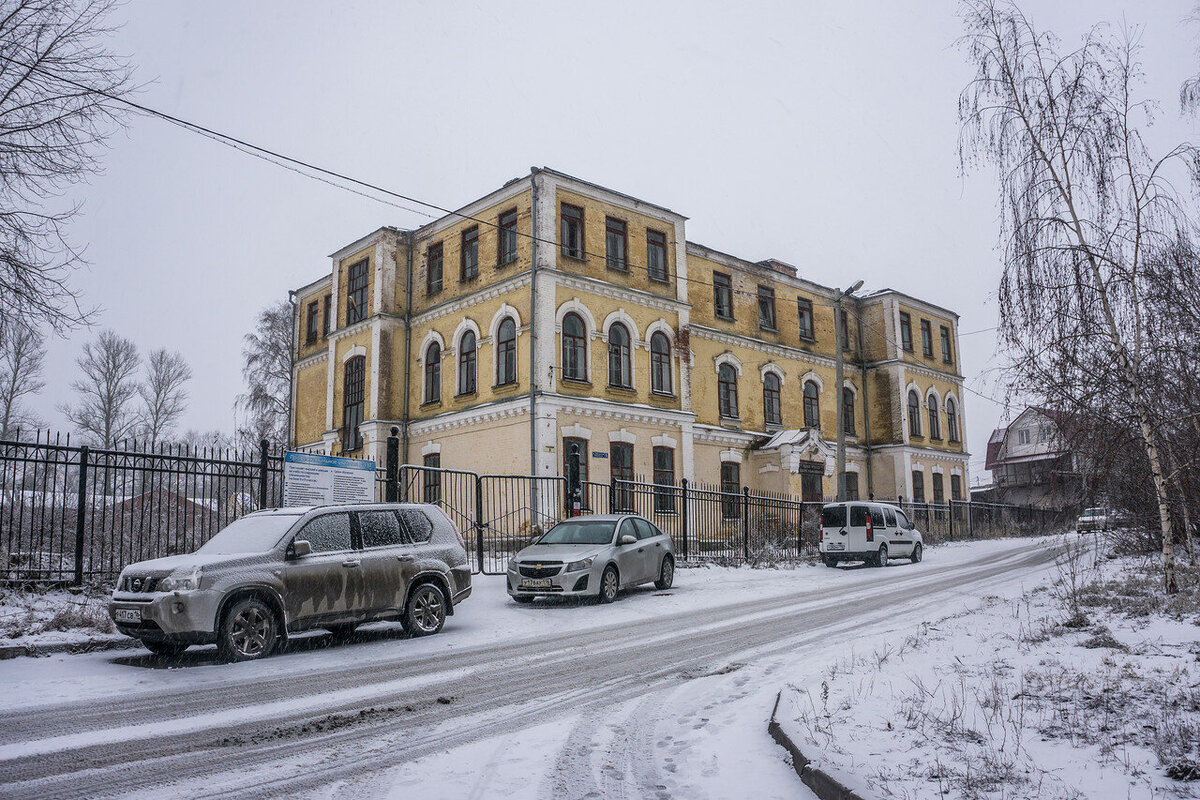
(554,312)
(1032,463)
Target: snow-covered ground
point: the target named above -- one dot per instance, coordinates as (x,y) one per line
(38,618)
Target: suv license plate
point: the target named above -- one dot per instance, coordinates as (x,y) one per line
(837,546)
(128,615)
(536,583)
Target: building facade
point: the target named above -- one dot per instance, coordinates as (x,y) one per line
(1033,465)
(555,312)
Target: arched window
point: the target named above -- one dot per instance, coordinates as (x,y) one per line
(574,348)
(354,376)
(433,373)
(914,413)
(771,412)
(620,370)
(727,391)
(935,427)
(951,420)
(660,363)
(466,363)
(848,411)
(812,405)
(506,352)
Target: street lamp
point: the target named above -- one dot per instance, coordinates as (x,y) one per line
(839,393)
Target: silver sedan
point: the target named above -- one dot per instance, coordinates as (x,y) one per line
(592,556)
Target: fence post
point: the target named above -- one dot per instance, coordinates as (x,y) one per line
(479,521)
(746,522)
(800,531)
(80,514)
(683,515)
(950,534)
(573,488)
(391,490)
(612,496)
(262,473)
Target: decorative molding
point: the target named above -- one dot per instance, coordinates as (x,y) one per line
(357,350)
(715,435)
(614,292)
(773,368)
(472,416)
(731,455)
(308,361)
(728,358)
(622,316)
(777,350)
(431,448)
(936,469)
(576,431)
(505,310)
(815,378)
(430,337)
(466,324)
(622,435)
(663,441)
(585,313)
(609,409)
(768,468)
(460,304)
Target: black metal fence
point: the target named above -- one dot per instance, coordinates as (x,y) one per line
(74,513)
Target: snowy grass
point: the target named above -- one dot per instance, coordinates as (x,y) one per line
(44,617)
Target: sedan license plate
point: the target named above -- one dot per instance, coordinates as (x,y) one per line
(836,546)
(536,583)
(128,615)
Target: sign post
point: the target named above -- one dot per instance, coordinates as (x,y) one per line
(317,480)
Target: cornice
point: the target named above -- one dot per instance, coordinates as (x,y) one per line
(605,289)
(460,304)
(780,350)
(312,360)
(471,416)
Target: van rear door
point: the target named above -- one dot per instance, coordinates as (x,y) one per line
(833,522)
(861,530)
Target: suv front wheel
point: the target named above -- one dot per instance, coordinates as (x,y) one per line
(248,631)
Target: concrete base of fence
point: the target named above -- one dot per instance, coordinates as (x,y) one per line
(823,785)
(74,648)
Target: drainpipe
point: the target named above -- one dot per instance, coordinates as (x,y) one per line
(290,438)
(533,270)
(862,366)
(408,283)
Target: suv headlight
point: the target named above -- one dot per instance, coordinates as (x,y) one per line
(181,580)
(512,564)
(583,563)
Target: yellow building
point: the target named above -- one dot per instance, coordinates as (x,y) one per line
(554,312)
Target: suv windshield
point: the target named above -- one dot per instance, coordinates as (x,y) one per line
(593,532)
(256,534)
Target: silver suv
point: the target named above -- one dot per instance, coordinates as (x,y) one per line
(272,573)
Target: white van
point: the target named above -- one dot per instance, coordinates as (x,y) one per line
(871,532)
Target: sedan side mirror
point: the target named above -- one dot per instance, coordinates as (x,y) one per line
(300,548)
(628,539)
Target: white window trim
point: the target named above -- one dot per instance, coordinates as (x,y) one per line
(576,431)
(622,435)
(431,449)
(731,455)
(772,368)
(357,350)
(815,378)
(728,358)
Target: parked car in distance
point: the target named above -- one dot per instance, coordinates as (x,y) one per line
(592,556)
(870,532)
(277,572)
(1093,519)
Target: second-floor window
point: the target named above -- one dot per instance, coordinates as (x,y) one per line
(620,370)
(433,373)
(947,355)
(848,411)
(771,411)
(812,405)
(951,419)
(722,295)
(506,352)
(906,331)
(574,348)
(807,329)
(356,293)
(571,235)
(935,425)
(766,308)
(327,308)
(660,363)
(312,322)
(467,361)
(656,255)
(433,269)
(914,413)
(354,375)
(727,399)
(926,339)
(615,243)
(507,241)
(469,254)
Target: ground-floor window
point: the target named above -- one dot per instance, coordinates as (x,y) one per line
(621,458)
(431,481)
(810,488)
(582,444)
(731,485)
(851,485)
(918,478)
(664,479)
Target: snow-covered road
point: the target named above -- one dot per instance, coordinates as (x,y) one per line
(658,695)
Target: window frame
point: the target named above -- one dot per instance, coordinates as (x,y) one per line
(434,254)
(357,295)
(951,419)
(468,372)
(731,484)
(664,476)
(507,238)
(616,232)
(918,482)
(913,401)
(354,412)
(906,337)
(804,311)
(312,322)
(850,483)
(431,482)
(947,347)
(660,273)
(623,355)
(468,254)
(432,370)
(767,318)
(727,399)
(772,400)
(723,295)
(622,472)
(935,421)
(849,400)
(574,367)
(506,354)
(571,222)
(812,405)
(661,372)
(926,338)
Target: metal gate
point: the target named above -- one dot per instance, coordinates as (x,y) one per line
(496,515)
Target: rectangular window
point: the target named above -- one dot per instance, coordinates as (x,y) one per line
(947,356)
(621,458)
(811,490)
(731,487)
(507,241)
(468,259)
(664,476)
(1023,436)
(848,412)
(926,339)
(906,331)
(851,485)
(433,269)
(328,322)
(431,482)
(956,487)
(572,231)
(918,478)
(939,492)
(582,444)
(766,308)
(722,295)
(353,378)
(312,322)
(807,328)
(615,244)
(656,255)
(356,293)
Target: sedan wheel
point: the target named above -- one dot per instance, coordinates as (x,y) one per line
(426,611)
(881,559)
(666,574)
(609,585)
(248,631)
(916,554)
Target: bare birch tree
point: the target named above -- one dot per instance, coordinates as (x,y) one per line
(1084,205)
(59,102)
(105,412)
(163,394)
(268,374)
(22,360)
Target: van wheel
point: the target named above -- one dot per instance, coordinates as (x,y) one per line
(916,554)
(881,558)
(426,612)
(248,631)
(609,584)
(830,561)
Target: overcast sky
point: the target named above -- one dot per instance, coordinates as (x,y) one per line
(823,134)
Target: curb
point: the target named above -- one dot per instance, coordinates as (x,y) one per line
(74,648)
(821,782)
